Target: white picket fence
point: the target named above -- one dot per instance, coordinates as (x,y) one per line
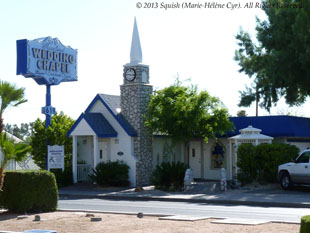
(83,172)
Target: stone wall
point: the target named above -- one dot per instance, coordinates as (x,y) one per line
(134,101)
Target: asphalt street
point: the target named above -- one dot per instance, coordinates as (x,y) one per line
(165,208)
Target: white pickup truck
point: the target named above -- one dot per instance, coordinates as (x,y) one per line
(297,172)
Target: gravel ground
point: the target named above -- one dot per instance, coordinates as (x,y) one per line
(73,222)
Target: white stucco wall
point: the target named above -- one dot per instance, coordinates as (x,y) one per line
(205,157)
(300,145)
(162,146)
(214,174)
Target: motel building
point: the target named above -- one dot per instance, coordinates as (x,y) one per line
(112,128)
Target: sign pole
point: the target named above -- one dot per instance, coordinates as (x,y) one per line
(48,110)
(48,113)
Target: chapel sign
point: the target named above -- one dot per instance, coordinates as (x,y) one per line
(46,60)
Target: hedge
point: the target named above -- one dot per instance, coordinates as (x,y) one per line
(29,191)
(260,163)
(305,224)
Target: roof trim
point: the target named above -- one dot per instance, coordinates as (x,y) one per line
(98,97)
(76,123)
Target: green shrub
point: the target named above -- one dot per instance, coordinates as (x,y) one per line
(261,162)
(29,191)
(63,178)
(246,163)
(169,175)
(305,224)
(111,174)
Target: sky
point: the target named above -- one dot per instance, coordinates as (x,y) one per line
(189,43)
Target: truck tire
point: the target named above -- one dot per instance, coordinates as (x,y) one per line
(285,181)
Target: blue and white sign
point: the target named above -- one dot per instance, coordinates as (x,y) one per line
(48,110)
(46,60)
(56,155)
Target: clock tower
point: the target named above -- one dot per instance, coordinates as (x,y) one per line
(135,96)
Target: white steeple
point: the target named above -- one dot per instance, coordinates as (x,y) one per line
(135,51)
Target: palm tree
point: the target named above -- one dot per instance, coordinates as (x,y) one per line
(10,95)
(11,150)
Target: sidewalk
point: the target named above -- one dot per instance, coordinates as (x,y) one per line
(266,196)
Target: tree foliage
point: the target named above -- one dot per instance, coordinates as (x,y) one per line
(183,113)
(11,150)
(22,132)
(279,62)
(10,95)
(56,133)
(241,113)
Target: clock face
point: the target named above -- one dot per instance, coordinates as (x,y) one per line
(130,74)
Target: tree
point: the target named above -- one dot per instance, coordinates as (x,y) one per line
(23,132)
(10,95)
(11,150)
(280,61)
(182,113)
(56,133)
(241,113)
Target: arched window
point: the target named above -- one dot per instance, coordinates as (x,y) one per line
(218,159)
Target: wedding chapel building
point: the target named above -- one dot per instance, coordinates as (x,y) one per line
(112,128)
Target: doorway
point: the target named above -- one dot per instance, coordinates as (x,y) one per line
(195,158)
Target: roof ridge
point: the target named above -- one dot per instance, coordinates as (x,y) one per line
(109,95)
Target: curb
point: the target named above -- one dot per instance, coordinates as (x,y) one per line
(206,201)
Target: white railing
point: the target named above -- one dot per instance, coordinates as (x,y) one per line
(83,172)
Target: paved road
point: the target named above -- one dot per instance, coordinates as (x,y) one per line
(291,215)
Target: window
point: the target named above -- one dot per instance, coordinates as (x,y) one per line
(100,154)
(193,152)
(304,158)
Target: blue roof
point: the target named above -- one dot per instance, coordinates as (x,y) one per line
(128,128)
(112,103)
(98,123)
(274,126)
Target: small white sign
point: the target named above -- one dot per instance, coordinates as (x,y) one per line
(56,155)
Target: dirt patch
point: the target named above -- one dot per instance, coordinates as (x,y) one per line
(70,222)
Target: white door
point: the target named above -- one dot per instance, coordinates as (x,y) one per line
(195,158)
(103,151)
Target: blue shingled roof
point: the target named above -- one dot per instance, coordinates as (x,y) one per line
(128,128)
(112,103)
(274,126)
(98,123)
